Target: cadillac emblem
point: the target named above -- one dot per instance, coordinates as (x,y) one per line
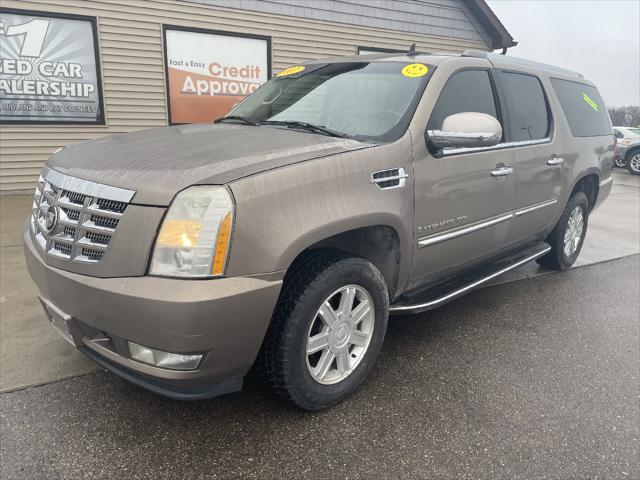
(51,218)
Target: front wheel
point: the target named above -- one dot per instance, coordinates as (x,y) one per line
(326,332)
(633,163)
(567,237)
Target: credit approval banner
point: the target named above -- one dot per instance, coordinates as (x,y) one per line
(209,72)
(49,69)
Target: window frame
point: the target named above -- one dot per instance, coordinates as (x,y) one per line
(550,119)
(500,111)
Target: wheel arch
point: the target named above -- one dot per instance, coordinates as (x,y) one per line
(382,243)
(633,150)
(588,182)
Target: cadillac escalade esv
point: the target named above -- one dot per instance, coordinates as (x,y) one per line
(283,235)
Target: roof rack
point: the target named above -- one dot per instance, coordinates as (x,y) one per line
(519,61)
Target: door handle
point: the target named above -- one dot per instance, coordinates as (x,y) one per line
(555,161)
(502,171)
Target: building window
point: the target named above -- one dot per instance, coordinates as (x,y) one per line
(209,72)
(49,69)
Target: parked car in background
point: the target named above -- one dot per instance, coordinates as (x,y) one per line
(632,157)
(625,136)
(283,235)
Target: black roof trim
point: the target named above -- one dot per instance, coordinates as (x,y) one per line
(500,37)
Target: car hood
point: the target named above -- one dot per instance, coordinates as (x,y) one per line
(159,162)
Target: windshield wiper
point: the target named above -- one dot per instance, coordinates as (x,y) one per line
(310,127)
(239,118)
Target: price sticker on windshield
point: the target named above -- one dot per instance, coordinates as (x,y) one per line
(414,70)
(291,71)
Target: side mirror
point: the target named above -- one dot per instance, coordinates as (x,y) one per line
(467,130)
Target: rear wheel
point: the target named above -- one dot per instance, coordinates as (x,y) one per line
(567,237)
(327,331)
(633,162)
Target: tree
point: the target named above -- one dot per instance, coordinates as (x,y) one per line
(625,116)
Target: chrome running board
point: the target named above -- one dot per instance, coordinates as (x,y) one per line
(437,295)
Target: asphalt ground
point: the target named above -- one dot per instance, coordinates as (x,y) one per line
(537,378)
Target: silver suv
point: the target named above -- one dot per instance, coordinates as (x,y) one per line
(285,234)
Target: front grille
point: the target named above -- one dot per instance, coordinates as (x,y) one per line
(82,216)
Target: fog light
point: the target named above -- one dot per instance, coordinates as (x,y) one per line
(158,358)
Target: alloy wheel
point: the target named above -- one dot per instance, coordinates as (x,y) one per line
(340,334)
(573,232)
(634,162)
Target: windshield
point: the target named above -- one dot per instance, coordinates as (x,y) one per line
(635,130)
(361,100)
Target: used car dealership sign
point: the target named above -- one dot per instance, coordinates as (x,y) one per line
(208,73)
(49,71)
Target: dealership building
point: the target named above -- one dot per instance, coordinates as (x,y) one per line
(74,70)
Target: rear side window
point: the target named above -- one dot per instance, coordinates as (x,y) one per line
(582,105)
(465,91)
(527,111)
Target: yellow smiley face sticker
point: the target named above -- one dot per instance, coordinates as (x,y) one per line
(414,70)
(290,71)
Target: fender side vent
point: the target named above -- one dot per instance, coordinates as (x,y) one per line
(387,179)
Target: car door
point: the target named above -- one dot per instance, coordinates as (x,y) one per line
(540,163)
(461,195)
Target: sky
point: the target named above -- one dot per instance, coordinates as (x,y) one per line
(597,38)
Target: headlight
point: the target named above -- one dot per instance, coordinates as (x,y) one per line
(195,235)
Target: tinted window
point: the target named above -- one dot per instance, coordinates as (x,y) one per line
(527,113)
(585,111)
(465,91)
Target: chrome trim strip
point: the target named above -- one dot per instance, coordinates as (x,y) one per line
(433,239)
(424,242)
(439,301)
(86,187)
(606,181)
(535,207)
(456,151)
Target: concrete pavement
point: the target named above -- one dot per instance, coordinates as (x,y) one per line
(31,352)
(537,378)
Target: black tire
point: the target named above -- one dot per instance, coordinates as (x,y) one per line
(633,161)
(283,359)
(556,259)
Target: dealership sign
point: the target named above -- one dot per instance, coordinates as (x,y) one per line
(209,72)
(49,70)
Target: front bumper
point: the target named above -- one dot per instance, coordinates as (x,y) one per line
(225,319)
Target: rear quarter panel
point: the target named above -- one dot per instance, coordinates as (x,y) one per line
(583,155)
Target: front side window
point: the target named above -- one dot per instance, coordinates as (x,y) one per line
(361,100)
(465,91)
(527,111)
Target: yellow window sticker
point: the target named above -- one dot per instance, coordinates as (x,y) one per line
(414,70)
(291,71)
(590,101)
